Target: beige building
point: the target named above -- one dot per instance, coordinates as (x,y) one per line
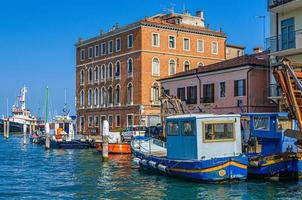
(233,51)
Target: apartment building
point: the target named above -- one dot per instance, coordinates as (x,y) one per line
(236,85)
(117,71)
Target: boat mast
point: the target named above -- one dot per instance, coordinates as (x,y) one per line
(46,104)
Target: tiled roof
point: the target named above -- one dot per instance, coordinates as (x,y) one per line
(259,59)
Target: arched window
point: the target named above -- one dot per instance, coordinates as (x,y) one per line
(103,97)
(110,71)
(96,74)
(172,67)
(129,93)
(186,66)
(117,95)
(155,92)
(82,77)
(96,97)
(82,98)
(129,67)
(117,69)
(103,73)
(110,93)
(90,75)
(155,67)
(200,64)
(89,97)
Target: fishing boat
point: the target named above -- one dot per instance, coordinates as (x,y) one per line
(202,147)
(271,154)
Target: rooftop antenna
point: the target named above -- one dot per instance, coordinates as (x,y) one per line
(7,107)
(184,9)
(170,9)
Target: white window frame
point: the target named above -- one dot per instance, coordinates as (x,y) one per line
(98,74)
(169,41)
(103,103)
(82,54)
(219,90)
(119,120)
(158,45)
(103,46)
(131,114)
(120,39)
(158,67)
(114,95)
(115,67)
(105,71)
(95,52)
(212,49)
(169,70)
(94,97)
(82,78)
(82,103)
(110,78)
(199,40)
(201,64)
(90,100)
(189,44)
(90,55)
(88,75)
(110,42)
(110,104)
(128,36)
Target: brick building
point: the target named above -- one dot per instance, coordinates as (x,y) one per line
(117,71)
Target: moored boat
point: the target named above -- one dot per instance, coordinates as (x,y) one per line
(199,147)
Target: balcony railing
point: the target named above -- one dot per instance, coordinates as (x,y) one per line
(275,3)
(280,42)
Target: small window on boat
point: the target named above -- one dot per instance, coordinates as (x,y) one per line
(261,123)
(218,132)
(172,128)
(188,128)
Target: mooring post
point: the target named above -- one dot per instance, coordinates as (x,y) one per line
(30,129)
(105,140)
(4,128)
(7,129)
(47,139)
(24,133)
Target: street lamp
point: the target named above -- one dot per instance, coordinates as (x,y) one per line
(263,18)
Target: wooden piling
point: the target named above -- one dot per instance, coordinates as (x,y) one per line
(4,128)
(24,133)
(105,135)
(47,134)
(7,129)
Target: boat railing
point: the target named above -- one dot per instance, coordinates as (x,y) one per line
(150,147)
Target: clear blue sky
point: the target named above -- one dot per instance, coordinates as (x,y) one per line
(37,38)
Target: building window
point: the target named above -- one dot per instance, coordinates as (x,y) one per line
(82,98)
(117,121)
(222,90)
(129,93)
(130,41)
(200,64)
(110,120)
(239,87)
(96,74)
(129,67)
(103,97)
(110,46)
(96,97)
(186,44)
(110,70)
(181,93)
(118,44)
(90,121)
(110,95)
(155,92)
(117,70)
(96,121)
(218,131)
(155,67)
(172,67)
(208,93)
(82,77)
(288,33)
(90,76)
(155,39)
(82,123)
(130,120)
(191,95)
(103,73)
(90,52)
(214,47)
(82,54)
(117,94)
(200,46)
(96,50)
(89,97)
(103,49)
(172,42)
(167,92)
(186,66)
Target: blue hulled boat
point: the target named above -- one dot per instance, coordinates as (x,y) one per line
(199,147)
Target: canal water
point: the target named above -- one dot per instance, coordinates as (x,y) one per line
(30,172)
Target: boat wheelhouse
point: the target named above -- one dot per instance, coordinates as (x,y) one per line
(201,147)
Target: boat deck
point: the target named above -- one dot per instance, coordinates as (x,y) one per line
(150,148)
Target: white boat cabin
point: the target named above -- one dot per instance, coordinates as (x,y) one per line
(203,136)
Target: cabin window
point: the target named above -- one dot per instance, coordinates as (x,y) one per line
(261,123)
(188,128)
(283,124)
(172,128)
(218,132)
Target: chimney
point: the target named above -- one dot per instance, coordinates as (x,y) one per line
(257,50)
(199,14)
